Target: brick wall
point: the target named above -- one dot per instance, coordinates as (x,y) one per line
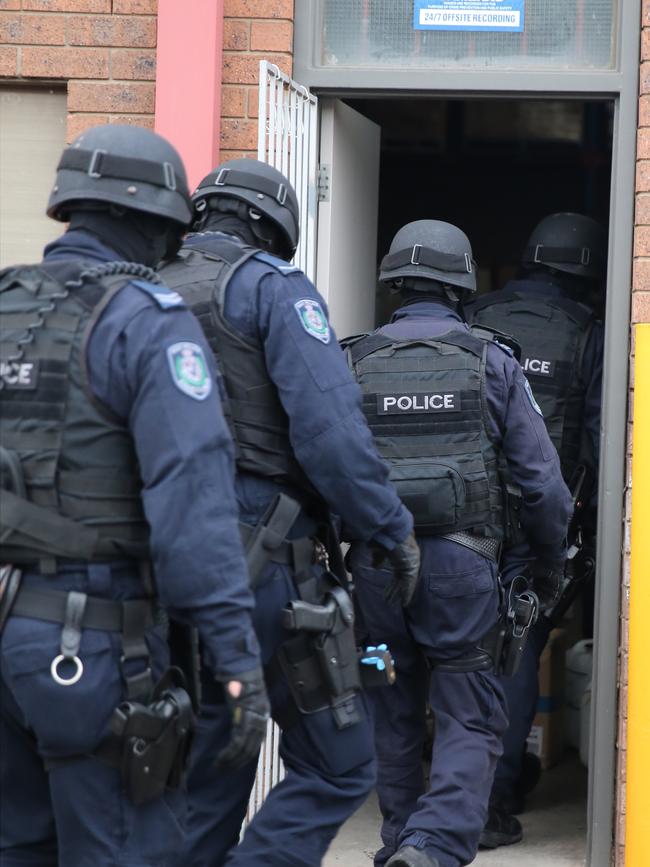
(640,313)
(105,50)
(254,30)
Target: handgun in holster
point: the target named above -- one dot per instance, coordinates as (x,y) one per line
(321,662)
(154,739)
(521,615)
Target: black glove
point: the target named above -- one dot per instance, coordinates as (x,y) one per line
(405,560)
(250,712)
(547,581)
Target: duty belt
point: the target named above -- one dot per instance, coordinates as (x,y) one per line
(483,545)
(77,611)
(105,614)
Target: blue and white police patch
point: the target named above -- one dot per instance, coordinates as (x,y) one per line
(189,369)
(531,397)
(313,319)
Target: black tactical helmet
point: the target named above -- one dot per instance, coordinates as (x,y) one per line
(430,250)
(570,243)
(261,186)
(122,165)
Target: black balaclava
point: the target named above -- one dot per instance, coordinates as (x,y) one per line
(414,289)
(573,286)
(133,235)
(233,217)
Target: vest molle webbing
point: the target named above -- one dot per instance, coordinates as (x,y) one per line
(257,419)
(79,468)
(425,405)
(553,333)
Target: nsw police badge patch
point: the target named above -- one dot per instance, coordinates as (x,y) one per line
(313,319)
(189,369)
(531,398)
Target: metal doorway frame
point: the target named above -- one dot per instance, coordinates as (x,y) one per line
(620,85)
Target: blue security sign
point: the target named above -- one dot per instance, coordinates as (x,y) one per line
(477,15)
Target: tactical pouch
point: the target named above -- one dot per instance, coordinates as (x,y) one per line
(434,492)
(153,740)
(321,663)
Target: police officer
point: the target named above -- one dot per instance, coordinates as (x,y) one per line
(448,408)
(300,433)
(115,458)
(550,310)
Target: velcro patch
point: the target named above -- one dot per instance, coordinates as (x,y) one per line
(189,369)
(538,367)
(19,374)
(440,401)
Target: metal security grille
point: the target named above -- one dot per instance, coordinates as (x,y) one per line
(270,771)
(286,140)
(558,34)
(287,133)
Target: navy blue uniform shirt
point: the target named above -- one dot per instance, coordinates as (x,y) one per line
(515,423)
(266,300)
(186,458)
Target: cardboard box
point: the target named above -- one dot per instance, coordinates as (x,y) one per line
(546,738)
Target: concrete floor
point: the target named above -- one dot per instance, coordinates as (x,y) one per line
(554,827)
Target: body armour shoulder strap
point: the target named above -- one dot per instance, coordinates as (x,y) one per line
(257,419)
(77,461)
(553,333)
(424,400)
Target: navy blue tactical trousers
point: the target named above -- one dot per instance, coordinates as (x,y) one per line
(455,604)
(77,814)
(522,692)
(329,773)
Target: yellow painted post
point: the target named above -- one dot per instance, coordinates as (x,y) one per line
(637,835)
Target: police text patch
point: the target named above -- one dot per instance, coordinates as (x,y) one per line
(439,401)
(538,366)
(19,374)
(189,369)
(313,319)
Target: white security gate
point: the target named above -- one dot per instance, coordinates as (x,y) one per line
(287,140)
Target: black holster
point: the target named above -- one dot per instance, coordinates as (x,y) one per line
(321,663)
(150,743)
(506,641)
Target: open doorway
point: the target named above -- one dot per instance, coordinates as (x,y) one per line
(494,167)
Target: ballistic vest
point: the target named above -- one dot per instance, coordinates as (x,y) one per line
(71,481)
(257,420)
(553,334)
(425,404)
